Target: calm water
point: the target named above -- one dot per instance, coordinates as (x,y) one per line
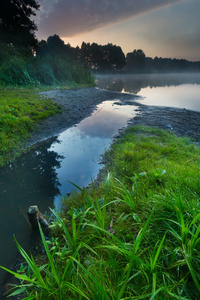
(40,176)
(81,146)
(175,90)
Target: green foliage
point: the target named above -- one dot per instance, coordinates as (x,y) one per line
(18,67)
(21,110)
(135,236)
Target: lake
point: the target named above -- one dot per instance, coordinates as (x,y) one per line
(40,177)
(174,90)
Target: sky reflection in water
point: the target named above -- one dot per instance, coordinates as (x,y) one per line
(82,145)
(183,96)
(174,90)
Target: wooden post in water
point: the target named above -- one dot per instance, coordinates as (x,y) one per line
(36,216)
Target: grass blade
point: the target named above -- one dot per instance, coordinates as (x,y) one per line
(97,284)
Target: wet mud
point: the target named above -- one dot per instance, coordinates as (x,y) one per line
(76,105)
(80,103)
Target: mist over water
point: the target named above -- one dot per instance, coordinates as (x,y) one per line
(174,90)
(134,83)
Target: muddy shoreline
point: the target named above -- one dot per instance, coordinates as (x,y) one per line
(76,105)
(182,122)
(80,103)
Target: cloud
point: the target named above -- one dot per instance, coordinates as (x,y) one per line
(69,18)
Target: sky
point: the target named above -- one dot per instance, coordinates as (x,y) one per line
(163,28)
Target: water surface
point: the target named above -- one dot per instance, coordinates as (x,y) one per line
(173,90)
(82,146)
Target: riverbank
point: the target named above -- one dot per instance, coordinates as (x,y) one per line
(182,122)
(76,105)
(80,103)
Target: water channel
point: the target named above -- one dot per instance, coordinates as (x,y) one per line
(40,176)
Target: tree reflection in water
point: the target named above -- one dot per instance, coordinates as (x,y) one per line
(133,83)
(30,180)
(33,174)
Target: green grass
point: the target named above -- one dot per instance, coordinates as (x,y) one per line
(134,236)
(20,111)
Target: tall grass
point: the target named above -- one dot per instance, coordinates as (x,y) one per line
(136,236)
(17,67)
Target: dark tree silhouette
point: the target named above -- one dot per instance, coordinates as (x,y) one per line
(41,48)
(113,56)
(55,46)
(85,53)
(107,57)
(16,26)
(136,60)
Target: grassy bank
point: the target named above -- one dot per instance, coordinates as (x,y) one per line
(134,236)
(21,109)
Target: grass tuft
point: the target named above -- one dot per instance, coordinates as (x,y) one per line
(135,236)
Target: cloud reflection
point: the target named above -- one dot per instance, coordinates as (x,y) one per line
(105,123)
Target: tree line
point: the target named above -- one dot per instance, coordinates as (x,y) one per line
(25,60)
(111,58)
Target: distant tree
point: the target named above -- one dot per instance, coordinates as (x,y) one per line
(16,26)
(55,46)
(135,61)
(85,53)
(107,57)
(115,57)
(41,48)
(96,58)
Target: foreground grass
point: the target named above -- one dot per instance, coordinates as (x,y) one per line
(134,236)
(20,110)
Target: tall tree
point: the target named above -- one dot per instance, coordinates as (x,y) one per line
(136,61)
(56,47)
(108,57)
(16,26)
